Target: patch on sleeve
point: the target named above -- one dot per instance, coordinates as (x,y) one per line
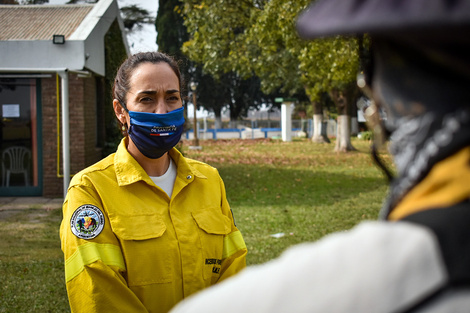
(87,222)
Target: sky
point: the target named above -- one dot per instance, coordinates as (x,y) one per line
(140,40)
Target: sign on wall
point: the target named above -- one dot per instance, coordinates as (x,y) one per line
(11,110)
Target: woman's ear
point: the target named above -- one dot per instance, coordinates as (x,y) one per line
(119,111)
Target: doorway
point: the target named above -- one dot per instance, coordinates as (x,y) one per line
(20,149)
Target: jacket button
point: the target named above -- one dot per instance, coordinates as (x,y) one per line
(189,177)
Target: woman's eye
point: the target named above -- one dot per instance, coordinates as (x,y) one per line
(173,98)
(146,99)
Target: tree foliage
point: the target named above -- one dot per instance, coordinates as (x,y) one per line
(134,15)
(215,90)
(258,38)
(115,53)
(171,34)
(171,31)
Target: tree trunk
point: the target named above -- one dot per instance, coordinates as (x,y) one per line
(343,133)
(319,133)
(218,122)
(353,114)
(343,136)
(319,130)
(218,119)
(354,126)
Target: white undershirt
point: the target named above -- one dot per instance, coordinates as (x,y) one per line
(167,180)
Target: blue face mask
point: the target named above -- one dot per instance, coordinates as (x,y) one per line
(155,134)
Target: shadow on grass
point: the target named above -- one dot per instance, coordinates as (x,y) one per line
(274,186)
(303,205)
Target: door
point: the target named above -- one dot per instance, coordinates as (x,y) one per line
(20,147)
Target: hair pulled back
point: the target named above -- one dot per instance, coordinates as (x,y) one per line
(121,84)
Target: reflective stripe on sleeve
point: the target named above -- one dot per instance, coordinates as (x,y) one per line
(91,252)
(233,242)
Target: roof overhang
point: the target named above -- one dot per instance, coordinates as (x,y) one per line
(83,50)
(29,54)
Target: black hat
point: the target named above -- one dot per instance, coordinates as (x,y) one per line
(381,17)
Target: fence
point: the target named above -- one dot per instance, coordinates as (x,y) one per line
(247,129)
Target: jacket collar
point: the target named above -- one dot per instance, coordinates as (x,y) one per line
(184,168)
(129,171)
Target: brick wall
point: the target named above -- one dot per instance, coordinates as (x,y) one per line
(52,185)
(83,128)
(92,153)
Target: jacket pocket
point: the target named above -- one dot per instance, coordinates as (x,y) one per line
(213,226)
(147,250)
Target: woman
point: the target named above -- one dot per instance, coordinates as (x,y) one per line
(146,227)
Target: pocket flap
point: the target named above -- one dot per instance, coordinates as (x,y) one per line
(212,221)
(138,227)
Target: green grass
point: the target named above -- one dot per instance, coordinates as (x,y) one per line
(31,262)
(301,189)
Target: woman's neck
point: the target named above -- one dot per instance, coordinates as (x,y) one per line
(153,167)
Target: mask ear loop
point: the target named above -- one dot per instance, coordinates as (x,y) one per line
(123,127)
(123,105)
(375,124)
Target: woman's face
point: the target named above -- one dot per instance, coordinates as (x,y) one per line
(154,88)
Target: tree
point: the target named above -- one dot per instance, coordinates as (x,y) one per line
(215,90)
(133,15)
(331,65)
(115,52)
(171,32)
(258,38)
(229,90)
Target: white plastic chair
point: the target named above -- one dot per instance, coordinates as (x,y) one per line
(15,160)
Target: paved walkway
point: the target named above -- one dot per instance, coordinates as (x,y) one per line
(18,203)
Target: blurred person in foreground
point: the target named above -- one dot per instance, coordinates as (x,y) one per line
(146,227)
(417,257)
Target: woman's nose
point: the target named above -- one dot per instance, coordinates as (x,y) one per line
(161,107)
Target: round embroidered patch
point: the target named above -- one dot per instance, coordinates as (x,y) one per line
(87,222)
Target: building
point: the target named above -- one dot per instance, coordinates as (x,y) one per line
(57,64)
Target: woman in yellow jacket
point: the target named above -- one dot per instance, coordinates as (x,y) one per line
(146,227)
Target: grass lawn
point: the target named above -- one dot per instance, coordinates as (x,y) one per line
(31,262)
(299,189)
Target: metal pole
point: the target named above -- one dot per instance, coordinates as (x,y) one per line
(65,129)
(196,140)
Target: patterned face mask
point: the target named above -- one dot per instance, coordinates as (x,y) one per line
(155,134)
(428,113)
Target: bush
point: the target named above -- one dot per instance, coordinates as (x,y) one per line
(366,135)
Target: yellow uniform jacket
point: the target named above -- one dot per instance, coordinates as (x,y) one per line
(130,248)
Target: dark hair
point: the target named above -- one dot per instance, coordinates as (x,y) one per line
(121,84)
